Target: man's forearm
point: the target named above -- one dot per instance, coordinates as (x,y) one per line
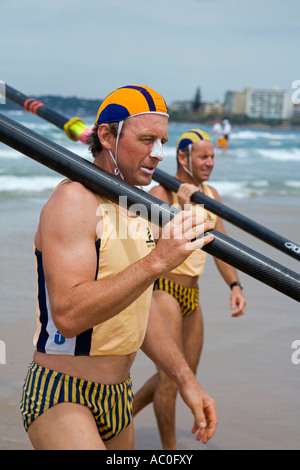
(160,347)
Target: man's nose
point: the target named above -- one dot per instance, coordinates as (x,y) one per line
(157,150)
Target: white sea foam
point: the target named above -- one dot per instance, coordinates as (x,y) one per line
(81,150)
(233,189)
(15,113)
(10,183)
(293,184)
(283,155)
(253,135)
(244,135)
(169,152)
(240,190)
(260,184)
(275,136)
(41,127)
(10,154)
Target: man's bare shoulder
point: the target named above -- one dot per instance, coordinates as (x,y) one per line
(215,192)
(161,193)
(71,209)
(71,195)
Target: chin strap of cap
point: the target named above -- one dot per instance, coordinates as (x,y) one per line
(115,158)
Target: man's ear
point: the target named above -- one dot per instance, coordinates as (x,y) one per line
(182,159)
(105,136)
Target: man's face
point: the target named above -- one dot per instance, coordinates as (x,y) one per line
(138,136)
(202,158)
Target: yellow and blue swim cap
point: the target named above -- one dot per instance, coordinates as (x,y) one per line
(130,101)
(190,137)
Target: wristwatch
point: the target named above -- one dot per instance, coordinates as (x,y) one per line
(237,283)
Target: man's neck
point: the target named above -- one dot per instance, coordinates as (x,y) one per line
(184,177)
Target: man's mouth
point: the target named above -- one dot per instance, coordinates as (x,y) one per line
(148,170)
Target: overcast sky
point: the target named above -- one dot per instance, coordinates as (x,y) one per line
(88,48)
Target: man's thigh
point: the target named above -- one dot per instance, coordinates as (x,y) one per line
(124,441)
(65,426)
(193,337)
(172,314)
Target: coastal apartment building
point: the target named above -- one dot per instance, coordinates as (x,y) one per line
(255,103)
(216,108)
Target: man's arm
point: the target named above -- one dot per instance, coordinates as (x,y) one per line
(229,273)
(160,347)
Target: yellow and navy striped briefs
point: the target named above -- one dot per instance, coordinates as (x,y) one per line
(187,297)
(111,405)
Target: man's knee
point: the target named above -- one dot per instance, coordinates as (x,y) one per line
(168,386)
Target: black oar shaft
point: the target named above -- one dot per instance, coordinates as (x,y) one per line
(232,216)
(36,107)
(97,180)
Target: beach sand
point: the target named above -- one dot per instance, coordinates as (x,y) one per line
(246,364)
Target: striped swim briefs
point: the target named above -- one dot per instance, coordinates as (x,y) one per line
(111,405)
(187,297)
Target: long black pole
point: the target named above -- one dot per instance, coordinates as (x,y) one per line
(101,182)
(232,216)
(35,107)
(237,219)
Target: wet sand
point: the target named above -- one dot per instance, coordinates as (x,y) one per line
(246,362)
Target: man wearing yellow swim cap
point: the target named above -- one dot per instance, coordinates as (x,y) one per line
(177,292)
(95,293)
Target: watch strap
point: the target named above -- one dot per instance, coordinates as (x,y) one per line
(237,283)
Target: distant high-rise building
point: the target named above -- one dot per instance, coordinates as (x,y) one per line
(235,102)
(254,103)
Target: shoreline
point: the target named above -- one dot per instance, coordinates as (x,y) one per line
(284,125)
(257,126)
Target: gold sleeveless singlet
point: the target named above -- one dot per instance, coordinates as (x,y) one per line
(194,264)
(124,241)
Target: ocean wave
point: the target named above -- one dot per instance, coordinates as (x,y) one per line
(254,135)
(240,190)
(80,150)
(244,135)
(170,151)
(10,154)
(236,190)
(15,113)
(293,184)
(33,184)
(40,127)
(260,184)
(283,155)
